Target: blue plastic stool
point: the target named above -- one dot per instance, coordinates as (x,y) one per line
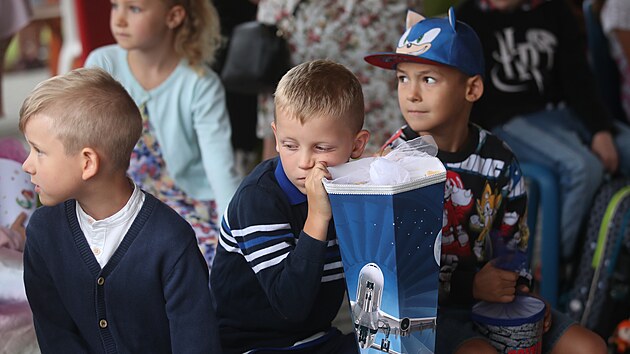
(543,192)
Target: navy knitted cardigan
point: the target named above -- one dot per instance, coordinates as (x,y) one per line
(151,297)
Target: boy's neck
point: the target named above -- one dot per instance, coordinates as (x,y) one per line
(105,197)
(451,139)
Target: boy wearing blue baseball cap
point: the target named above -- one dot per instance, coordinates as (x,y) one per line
(439,64)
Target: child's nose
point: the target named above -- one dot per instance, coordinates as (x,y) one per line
(414,94)
(118,18)
(27,166)
(306,160)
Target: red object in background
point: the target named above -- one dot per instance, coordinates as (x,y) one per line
(93,23)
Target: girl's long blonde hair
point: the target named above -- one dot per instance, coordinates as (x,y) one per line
(199,36)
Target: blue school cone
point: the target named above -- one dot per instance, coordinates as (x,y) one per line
(390,239)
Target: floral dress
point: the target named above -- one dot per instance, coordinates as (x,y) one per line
(148,170)
(344,31)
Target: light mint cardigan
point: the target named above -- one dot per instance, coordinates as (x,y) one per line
(188,115)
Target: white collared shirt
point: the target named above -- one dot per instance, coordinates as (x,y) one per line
(104,236)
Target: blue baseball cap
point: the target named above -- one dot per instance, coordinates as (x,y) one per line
(444,41)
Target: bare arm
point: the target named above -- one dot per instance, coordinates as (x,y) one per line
(604,148)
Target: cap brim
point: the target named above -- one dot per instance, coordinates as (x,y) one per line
(391,60)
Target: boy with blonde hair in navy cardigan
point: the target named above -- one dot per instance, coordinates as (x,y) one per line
(107,268)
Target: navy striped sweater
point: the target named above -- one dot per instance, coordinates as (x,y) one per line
(273,284)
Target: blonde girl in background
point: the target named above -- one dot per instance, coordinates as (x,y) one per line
(184,156)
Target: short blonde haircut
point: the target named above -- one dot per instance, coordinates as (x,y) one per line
(321,88)
(88,108)
(198,37)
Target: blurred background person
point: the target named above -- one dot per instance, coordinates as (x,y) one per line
(615,20)
(15,15)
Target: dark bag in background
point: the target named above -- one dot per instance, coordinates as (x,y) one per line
(599,297)
(257,58)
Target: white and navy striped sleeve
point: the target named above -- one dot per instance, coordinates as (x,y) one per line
(288,267)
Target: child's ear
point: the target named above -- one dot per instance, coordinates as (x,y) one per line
(360,142)
(474,88)
(275,136)
(175,16)
(90,163)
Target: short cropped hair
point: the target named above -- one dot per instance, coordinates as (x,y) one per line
(88,108)
(321,88)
